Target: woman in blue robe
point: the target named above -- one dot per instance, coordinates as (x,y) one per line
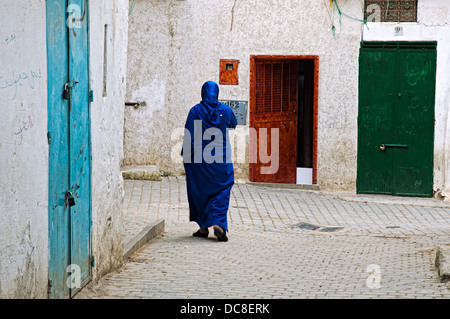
(207,161)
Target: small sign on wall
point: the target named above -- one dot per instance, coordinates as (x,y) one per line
(240,110)
(228,73)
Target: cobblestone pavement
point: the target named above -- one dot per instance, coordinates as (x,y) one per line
(383,247)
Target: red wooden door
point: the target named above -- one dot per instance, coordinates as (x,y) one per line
(273,109)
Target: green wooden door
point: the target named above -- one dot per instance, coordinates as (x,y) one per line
(396,118)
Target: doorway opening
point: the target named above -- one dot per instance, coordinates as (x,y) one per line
(305,122)
(284,96)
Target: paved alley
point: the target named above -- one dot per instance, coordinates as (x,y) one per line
(283,243)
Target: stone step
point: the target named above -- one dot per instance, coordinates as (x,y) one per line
(141,172)
(442,263)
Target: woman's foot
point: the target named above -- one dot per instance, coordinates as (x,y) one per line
(220,233)
(201,233)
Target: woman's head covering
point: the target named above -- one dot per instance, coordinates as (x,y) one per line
(210,93)
(210,111)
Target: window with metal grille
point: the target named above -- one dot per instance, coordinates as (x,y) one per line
(276,86)
(391,10)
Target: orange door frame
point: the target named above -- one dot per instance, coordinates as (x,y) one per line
(253,59)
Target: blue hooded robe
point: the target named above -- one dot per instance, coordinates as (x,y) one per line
(207,159)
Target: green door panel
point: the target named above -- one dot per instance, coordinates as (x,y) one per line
(415,122)
(375,120)
(396,121)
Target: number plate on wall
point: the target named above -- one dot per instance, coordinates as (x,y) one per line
(240,110)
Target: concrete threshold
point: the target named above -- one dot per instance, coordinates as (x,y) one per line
(394,200)
(146,235)
(313,187)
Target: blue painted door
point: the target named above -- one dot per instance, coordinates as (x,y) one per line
(69,147)
(58,127)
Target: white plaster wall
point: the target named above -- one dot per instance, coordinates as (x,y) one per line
(107,121)
(174,46)
(433,25)
(23,150)
(24,147)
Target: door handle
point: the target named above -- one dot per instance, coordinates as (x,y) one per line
(384,146)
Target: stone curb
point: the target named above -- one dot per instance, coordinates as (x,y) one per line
(442,263)
(147,234)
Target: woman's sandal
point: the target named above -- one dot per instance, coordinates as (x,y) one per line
(221,235)
(198,233)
